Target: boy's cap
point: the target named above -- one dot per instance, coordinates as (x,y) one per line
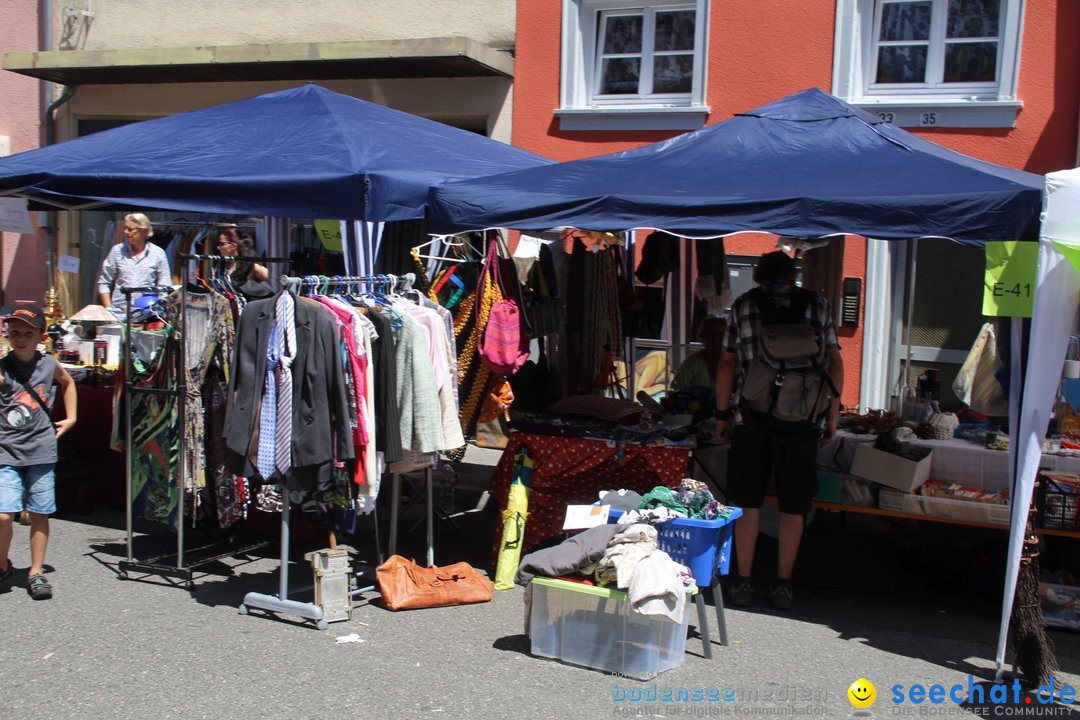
(29,314)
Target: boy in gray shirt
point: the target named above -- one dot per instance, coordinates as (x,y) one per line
(28,439)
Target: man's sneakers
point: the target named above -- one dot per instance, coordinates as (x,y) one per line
(782,595)
(741,591)
(38,587)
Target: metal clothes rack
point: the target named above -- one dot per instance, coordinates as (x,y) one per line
(339,281)
(279,603)
(154,566)
(157,566)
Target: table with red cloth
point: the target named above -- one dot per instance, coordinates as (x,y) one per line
(88,472)
(572,471)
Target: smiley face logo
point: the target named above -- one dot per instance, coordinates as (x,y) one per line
(862,693)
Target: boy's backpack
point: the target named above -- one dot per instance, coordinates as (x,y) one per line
(788,377)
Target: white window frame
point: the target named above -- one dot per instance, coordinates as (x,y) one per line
(992,104)
(581,108)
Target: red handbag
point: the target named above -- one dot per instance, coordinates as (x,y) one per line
(407,586)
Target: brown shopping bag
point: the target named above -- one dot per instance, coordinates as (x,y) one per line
(407,586)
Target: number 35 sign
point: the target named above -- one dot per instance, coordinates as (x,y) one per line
(1009,285)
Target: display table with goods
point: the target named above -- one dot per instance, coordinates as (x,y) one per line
(87,472)
(960,480)
(573,470)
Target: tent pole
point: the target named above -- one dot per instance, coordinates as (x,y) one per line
(913,251)
(1015,393)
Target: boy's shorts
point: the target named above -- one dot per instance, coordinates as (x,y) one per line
(36,481)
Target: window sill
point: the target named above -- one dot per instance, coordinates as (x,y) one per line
(632,118)
(928,112)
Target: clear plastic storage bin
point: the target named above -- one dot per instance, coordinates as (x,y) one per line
(596,627)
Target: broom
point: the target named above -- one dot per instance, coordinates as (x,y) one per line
(1034,652)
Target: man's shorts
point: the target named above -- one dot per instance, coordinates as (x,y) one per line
(762,446)
(35,481)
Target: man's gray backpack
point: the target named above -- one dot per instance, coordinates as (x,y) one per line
(789,375)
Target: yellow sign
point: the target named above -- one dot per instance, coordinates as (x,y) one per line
(1009,285)
(329,232)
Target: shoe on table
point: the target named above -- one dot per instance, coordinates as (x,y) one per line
(742,592)
(782,595)
(38,587)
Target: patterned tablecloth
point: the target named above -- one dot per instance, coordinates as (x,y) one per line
(572,471)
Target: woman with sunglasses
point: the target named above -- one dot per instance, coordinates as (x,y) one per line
(232,243)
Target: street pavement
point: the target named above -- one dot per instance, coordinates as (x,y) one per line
(911,606)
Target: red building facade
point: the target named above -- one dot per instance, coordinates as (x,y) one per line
(994,79)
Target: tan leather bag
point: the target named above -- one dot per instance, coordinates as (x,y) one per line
(407,586)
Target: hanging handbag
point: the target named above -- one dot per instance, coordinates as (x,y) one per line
(407,586)
(503,346)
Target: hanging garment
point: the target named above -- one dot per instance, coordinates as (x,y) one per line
(418,398)
(976,384)
(386,411)
(155,429)
(320,416)
(208,324)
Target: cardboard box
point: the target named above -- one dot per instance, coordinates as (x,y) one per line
(892,470)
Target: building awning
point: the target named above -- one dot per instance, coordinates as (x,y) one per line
(369,59)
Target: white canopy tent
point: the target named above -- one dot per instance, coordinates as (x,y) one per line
(1053,320)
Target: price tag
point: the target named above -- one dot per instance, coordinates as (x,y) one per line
(329,232)
(67,263)
(1009,284)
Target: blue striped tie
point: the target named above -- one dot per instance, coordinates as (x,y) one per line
(268,410)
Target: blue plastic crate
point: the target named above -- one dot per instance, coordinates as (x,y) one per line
(701,545)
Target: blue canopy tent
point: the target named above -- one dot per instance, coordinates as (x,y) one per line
(304,152)
(806,165)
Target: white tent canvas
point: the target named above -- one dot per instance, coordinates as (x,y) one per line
(1053,320)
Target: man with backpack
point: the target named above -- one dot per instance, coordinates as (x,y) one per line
(781,339)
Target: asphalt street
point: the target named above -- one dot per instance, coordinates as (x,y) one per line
(906,607)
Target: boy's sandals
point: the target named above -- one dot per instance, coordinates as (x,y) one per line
(38,587)
(6,574)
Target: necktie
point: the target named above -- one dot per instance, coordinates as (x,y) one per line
(286,325)
(268,409)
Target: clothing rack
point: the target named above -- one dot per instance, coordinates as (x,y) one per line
(157,566)
(407,279)
(153,566)
(279,603)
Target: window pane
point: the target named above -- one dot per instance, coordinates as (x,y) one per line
(620,76)
(971,62)
(901,64)
(675,30)
(905,21)
(673,73)
(973,18)
(622,34)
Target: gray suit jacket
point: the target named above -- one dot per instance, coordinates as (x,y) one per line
(320,427)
